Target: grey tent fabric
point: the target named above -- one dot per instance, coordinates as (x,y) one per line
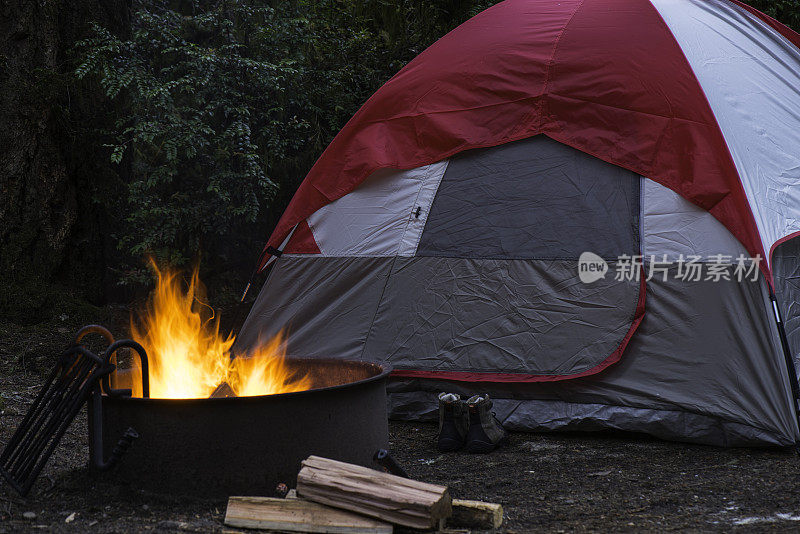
(704,348)
(532,199)
(326,304)
(501,316)
(786,272)
(449,314)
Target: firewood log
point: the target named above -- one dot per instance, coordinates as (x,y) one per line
(387,497)
(476,514)
(222,390)
(297,515)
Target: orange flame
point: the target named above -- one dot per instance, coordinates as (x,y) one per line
(189,357)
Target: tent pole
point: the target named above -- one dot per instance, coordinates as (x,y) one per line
(787,354)
(274,255)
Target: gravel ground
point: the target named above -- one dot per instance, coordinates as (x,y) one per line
(552,483)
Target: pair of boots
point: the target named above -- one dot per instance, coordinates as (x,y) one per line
(469,424)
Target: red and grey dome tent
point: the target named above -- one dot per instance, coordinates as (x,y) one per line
(442,228)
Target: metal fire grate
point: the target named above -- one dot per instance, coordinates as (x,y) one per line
(76,377)
(68,387)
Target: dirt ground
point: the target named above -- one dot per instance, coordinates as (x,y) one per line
(546,483)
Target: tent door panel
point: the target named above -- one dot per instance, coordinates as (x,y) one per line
(494,287)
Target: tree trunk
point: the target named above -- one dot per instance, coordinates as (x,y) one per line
(51,233)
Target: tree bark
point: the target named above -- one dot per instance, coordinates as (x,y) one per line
(51,233)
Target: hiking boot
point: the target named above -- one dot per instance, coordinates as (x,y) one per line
(485,433)
(453,422)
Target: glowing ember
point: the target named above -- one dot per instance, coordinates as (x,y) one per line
(189,357)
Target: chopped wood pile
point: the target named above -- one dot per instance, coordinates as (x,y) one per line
(337,497)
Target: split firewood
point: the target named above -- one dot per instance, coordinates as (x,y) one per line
(365,491)
(476,514)
(223,390)
(298,515)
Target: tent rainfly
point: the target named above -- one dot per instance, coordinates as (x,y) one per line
(586,208)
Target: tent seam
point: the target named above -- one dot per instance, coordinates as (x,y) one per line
(551,64)
(377,307)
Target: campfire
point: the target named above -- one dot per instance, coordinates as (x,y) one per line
(190,358)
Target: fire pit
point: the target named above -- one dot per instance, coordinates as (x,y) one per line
(216,423)
(217,447)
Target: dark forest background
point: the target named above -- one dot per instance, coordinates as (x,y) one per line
(179,129)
